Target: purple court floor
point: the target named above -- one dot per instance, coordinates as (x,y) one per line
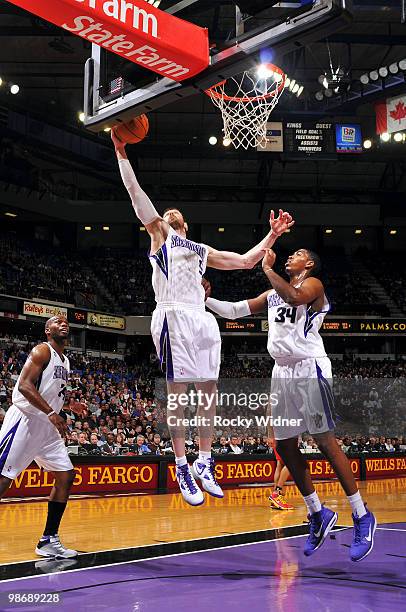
(272,575)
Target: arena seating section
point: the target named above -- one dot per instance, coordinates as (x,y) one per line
(121,399)
(119,281)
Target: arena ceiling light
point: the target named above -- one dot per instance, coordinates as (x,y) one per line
(393,232)
(367,144)
(88,228)
(14,88)
(364,78)
(212,140)
(328,231)
(358,232)
(385,137)
(107,129)
(319,95)
(9,214)
(402,64)
(81,116)
(263,72)
(1,81)
(106,228)
(226,142)
(394,68)
(399,137)
(142,228)
(383,72)
(221,229)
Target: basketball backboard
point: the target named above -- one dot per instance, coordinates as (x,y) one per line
(241,34)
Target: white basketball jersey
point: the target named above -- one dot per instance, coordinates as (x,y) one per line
(177,270)
(51,385)
(294,330)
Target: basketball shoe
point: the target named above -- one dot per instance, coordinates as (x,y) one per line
(363,540)
(188,487)
(321,523)
(278,501)
(204,470)
(51,546)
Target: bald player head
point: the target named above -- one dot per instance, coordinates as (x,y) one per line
(57,329)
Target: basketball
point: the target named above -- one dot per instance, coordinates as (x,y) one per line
(132,131)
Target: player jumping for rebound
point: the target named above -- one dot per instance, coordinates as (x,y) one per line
(187,337)
(302,379)
(33,430)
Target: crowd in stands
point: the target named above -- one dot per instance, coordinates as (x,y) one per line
(119,280)
(39,270)
(125,415)
(390,272)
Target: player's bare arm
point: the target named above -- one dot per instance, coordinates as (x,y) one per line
(227,260)
(34,366)
(311,290)
(146,212)
(238,310)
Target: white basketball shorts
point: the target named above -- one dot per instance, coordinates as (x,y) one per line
(24,439)
(303,398)
(187,342)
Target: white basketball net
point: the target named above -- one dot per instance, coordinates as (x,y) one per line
(246,101)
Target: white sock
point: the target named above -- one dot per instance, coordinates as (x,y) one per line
(357,505)
(312,502)
(204,456)
(181,460)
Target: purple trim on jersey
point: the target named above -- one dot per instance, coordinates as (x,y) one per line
(165,350)
(310,317)
(161,259)
(326,396)
(6,443)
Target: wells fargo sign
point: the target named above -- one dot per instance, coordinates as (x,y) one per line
(133,29)
(386,466)
(244,472)
(97,478)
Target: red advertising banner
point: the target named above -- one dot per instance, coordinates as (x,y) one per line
(385,467)
(250,472)
(134,29)
(93,478)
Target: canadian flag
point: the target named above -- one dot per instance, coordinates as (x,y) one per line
(391,115)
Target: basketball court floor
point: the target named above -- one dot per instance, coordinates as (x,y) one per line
(144,552)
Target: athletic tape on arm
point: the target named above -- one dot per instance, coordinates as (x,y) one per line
(229,310)
(144,208)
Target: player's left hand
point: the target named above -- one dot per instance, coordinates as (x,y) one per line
(269,259)
(79,408)
(207,288)
(282,223)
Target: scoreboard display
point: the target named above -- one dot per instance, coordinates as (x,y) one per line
(309,140)
(340,326)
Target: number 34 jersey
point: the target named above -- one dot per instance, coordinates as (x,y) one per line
(294,330)
(51,385)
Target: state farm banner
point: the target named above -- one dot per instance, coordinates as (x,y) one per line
(44,310)
(92,478)
(134,29)
(391,115)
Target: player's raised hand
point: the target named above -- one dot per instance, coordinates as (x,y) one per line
(119,145)
(268,260)
(282,223)
(207,288)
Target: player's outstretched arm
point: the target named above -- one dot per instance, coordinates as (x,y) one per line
(238,310)
(309,291)
(142,205)
(227,260)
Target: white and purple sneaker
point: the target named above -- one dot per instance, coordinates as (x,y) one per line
(204,470)
(188,487)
